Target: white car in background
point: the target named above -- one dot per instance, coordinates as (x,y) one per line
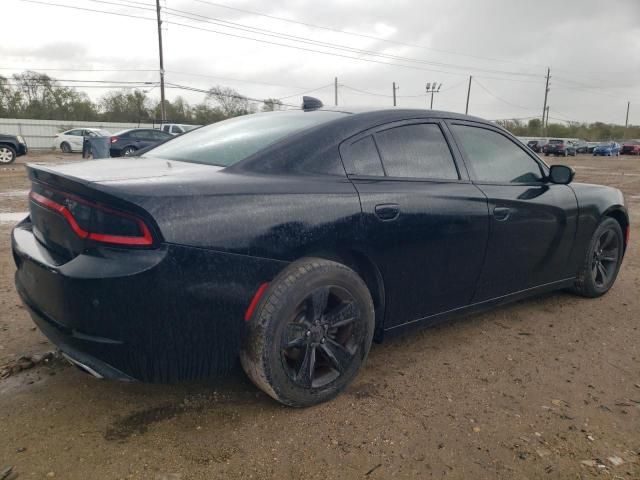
(177,128)
(71,140)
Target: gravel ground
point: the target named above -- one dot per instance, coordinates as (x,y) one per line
(543,388)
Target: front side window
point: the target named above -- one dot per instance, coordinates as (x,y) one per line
(74,132)
(495,158)
(416,151)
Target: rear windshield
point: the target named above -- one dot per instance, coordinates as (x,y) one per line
(556,142)
(230,141)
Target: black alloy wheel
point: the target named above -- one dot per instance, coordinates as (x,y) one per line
(65,147)
(604,264)
(602,260)
(322,337)
(310,333)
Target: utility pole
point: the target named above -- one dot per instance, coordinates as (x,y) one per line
(466,110)
(546,123)
(394,93)
(335,88)
(546,93)
(433,88)
(163,113)
(626,122)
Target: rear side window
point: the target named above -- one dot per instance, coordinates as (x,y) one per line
(230,141)
(495,158)
(416,151)
(362,157)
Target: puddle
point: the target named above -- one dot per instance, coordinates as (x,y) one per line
(12,217)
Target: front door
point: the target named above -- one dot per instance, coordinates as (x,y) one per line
(532,221)
(424,224)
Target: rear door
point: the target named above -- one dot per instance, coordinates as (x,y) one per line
(424,223)
(532,221)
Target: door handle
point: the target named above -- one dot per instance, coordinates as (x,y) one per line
(387,211)
(501,213)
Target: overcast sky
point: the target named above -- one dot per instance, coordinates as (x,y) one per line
(592,48)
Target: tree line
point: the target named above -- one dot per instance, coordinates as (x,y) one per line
(38,96)
(597,131)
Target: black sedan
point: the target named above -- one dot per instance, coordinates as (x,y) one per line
(293,239)
(128,142)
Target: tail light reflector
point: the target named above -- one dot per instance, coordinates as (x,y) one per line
(95,222)
(114,139)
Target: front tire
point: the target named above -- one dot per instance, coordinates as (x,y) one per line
(310,334)
(602,261)
(7,155)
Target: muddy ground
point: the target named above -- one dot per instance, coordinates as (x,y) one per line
(544,388)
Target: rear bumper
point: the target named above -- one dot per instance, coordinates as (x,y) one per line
(162,315)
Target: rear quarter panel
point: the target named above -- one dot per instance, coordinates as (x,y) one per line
(278,217)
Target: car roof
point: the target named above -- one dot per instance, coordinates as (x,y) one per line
(365,110)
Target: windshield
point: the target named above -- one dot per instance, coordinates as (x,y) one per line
(556,142)
(188,128)
(230,141)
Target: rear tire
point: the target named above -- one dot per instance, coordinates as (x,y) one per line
(128,151)
(602,261)
(310,334)
(7,155)
(65,147)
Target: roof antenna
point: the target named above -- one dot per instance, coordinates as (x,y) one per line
(311,103)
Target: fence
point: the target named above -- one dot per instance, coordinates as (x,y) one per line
(39,134)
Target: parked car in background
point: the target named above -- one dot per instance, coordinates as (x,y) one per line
(581,146)
(11,147)
(607,149)
(559,147)
(128,142)
(536,145)
(72,140)
(591,146)
(630,147)
(177,128)
(291,239)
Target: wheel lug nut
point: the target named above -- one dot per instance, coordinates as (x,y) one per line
(322,340)
(308,334)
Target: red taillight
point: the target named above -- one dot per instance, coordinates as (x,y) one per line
(114,139)
(101,224)
(254,301)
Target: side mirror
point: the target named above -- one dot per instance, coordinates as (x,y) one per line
(561,174)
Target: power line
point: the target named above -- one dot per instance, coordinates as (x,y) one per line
(361,35)
(308,91)
(78,69)
(288,45)
(271,33)
(499,98)
(228,95)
